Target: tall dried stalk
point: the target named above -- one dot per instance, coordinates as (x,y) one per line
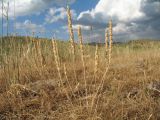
(95,76)
(110,42)
(106,45)
(71,38)
(83,60)
(96,62)
(71,31)
(100,86)
(82,50)
(56,56)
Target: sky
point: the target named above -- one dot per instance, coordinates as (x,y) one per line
(132,19)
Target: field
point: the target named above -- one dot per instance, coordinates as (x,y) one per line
(96,72)
(41,79)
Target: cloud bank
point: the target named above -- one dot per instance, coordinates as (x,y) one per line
(28,7)
(132,19)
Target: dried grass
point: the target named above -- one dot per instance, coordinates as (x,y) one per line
(120,89)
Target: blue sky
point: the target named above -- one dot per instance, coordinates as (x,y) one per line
(131,19)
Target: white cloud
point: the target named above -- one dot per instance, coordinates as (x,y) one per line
(124,10)
(130,17)
(28,7)
(56,14)
(27,25)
